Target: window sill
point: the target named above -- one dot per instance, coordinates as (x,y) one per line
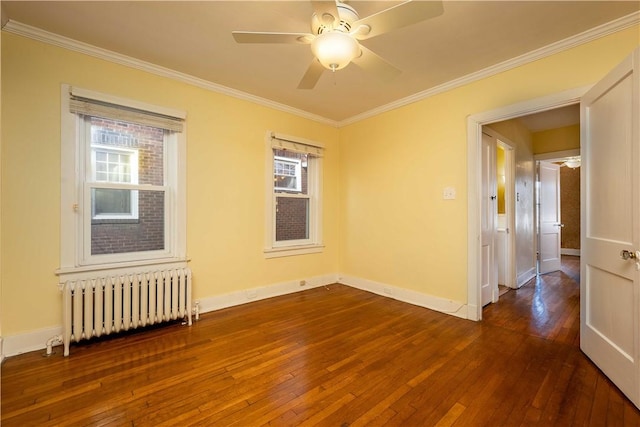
(292,251)
(118,268)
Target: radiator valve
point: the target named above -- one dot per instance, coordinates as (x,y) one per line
(196,310)
(55,340)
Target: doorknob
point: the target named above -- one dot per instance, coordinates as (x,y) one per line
(625,254)
(559,225)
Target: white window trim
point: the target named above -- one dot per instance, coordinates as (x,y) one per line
(72,260)
(314,244)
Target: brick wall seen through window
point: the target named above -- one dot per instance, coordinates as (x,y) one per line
(146,232)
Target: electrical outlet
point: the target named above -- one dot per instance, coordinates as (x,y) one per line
(449,193)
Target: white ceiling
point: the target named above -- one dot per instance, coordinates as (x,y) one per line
(194,38)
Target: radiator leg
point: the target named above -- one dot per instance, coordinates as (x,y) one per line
(67,309)
(196,310)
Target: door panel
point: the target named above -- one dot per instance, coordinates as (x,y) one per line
(611,308)
(612,170)
(550,221)
(489,285)
(609,286)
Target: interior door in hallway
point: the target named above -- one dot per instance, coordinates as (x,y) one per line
(489,285)
(549,214)
(610,264)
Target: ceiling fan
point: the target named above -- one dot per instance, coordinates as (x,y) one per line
(336,30)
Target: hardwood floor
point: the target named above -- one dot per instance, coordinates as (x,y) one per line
(333,356)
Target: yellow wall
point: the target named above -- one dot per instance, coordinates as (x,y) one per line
(225,179)
(384,216)
(394,167)
(560,139)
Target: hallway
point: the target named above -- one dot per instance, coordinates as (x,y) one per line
(548,306)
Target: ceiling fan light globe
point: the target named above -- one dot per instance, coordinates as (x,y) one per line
(335,50)
(572,163)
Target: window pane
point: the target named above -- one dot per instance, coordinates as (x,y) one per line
(144,233)
(288,183)
(124,139)
(292,218)
(290,175)
(111,202)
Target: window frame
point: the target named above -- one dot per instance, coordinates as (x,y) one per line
(75,206)
(86,176)
(314,243)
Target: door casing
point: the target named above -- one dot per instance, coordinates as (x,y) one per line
(474,164)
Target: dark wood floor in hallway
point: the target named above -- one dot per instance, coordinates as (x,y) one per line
(332,356)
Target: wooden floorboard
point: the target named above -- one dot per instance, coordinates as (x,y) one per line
(332,356)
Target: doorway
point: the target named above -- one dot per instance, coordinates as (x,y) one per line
(558,230)
(475,127)
(498,216)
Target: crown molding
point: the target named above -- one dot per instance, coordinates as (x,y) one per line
(38,34)
(97,52)
(543,52)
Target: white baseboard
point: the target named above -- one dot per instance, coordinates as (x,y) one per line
(1,350)
(446,306)
(29,341)
(13,345)
(255,294)
(525,277)
(472,312)
(569,251)
(36,340)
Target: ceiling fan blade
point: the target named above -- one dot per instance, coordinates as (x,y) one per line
(326,11)
(256,37)
(312,75)
(374,64)
(407,13)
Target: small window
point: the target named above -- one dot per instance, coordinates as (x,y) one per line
(294,197)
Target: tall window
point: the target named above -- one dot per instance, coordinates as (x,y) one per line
(123,180)
(294,196)
(125,176)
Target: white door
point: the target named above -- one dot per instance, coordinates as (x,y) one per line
(489,286)
(609,285)
(549,214)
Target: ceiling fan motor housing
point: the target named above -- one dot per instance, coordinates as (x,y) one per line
(347,16)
